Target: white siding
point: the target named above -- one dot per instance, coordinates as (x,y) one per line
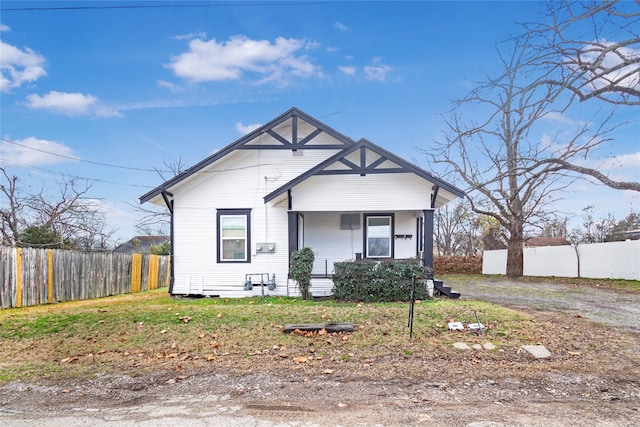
(248,176)
(329,243)
(391,192)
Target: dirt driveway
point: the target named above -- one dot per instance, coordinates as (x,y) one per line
(591,381)
(618,309)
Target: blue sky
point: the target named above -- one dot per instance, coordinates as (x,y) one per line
(136,86)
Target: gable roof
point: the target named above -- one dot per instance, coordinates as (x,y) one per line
(280,142)
(141,244)
(547,241)
(358,159)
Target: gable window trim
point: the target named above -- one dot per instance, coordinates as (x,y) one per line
(240,243)
(389,236)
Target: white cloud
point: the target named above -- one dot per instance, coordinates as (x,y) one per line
(70,104)
(19,66)
(340,26)
(377,72)
(171,86)
(207,61)
(4,28)
(627,76)
(34,152)
(349,70)
(630,160)
(191,36)
(245,129)
(558,117)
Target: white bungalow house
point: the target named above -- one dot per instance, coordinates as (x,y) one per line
(237,215)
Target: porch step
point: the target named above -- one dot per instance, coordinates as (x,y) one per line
(445,290)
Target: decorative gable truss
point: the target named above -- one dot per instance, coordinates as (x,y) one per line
(363,158)
(293,130)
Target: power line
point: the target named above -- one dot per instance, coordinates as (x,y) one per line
(81,160)
(49,171)
(129,167)
(163,6)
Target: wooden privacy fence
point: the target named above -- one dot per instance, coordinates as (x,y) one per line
(31,276)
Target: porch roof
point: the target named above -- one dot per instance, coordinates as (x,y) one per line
(357,159)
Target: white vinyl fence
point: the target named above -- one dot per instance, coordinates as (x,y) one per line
(612,260)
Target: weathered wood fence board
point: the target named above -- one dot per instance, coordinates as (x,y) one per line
(31,276)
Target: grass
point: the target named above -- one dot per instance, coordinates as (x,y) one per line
(152,332)
(118,333)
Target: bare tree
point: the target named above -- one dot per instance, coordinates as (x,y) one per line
(556,228)
(11,210)
(75,220)
(494,145)
(457,230)
(592,50)
(155,220)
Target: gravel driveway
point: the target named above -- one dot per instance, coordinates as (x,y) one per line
(606,306)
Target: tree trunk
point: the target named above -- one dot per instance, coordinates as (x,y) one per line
(515,253)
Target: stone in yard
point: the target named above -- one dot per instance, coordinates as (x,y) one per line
(477,347)
(489,346)
(461,346)
(537,351)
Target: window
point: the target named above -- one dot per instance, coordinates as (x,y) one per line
(378,236)
(234,235)
(349,221)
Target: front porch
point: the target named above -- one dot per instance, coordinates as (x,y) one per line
(348,236)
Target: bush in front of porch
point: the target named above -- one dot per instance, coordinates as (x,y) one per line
(378,281)
(300,267)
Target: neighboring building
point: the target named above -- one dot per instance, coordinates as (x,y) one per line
(238,214)
(632,235)
(141,244)
(546,241)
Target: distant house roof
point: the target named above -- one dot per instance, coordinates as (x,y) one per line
(547,241)
(141,244)
(632,234)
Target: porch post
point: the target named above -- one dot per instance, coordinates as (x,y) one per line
(427,253)
(293,232)
(293,219)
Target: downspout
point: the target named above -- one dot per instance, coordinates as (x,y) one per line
(169,203)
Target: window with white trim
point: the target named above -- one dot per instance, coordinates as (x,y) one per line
(234,235)
(378,235)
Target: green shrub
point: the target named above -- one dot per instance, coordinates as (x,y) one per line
(373,281)
(300,269)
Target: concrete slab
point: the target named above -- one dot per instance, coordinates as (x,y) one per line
(489,346)
(461,346)
(537,351)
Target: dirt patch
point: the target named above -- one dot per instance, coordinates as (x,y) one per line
(591,379)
